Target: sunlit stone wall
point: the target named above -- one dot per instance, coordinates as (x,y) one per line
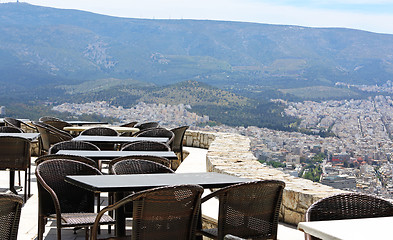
(231,154)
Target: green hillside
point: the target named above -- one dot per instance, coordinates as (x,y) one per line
(45,46)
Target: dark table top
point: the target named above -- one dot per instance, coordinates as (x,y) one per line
(138,182)
(117,139)
(30,136)
(115,154)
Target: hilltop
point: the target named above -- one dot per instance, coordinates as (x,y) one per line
(41,46)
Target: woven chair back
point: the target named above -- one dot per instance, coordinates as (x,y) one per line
(250,210)
(161,160)
(14,153)
(73,145)
(51,177)
(50,135)
(77,158)
(136,166)
(177,143)
(146,125)
(10,209)
(175,207)
(9,129)
(145,146)
(348,206)
(12,122)
(100,131)
(157,132)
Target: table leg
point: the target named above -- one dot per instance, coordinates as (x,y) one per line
(120,226)
(12,181)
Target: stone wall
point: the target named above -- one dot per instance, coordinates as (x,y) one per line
(231,154)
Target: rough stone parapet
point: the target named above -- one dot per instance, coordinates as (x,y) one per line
(231,154)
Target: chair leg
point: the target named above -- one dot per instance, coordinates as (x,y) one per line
(41,227)
(87,230)
(29,182)
(25,186)
(19,180)
(98,208)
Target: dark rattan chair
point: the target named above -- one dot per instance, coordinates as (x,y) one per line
(177,143)
(9,129)
(129,124)
(348,206)
(73,145)
(161,160)
(55,122)
(146,125)
(10,209)
(129,165)
(102,131)
(15,155)
(61,200)
(247,210)
(18,124)
(50,135)
(49,118)
(157,132)
(165,213)
(49,157)
(145,146)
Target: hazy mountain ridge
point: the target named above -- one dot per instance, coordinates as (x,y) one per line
(42,46)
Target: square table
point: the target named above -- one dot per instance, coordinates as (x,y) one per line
(137,182)
(114,154)
(348,229)
(118,129)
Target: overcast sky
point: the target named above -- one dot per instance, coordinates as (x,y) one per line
(370,15)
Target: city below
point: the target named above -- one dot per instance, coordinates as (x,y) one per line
(356,156)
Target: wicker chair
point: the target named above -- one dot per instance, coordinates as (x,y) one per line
(49,118)
(10,209)
(50,135)
(9,129)
(49,157)
(247,210)
(18,124)
(161,160)
(128,165)
(55,122)
(15,155)
(157,132)
(164,213)
(146,125)
(145,146)
(73,145)
(348,206)
(129,124)
(177,143)
(60,200)
(102,131)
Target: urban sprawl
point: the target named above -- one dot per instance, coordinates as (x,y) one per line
(356,157)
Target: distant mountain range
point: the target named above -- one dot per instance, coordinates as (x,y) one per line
(42,46)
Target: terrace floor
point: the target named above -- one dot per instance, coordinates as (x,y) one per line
(195,162)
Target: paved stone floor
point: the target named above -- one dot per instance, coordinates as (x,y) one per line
(195,162)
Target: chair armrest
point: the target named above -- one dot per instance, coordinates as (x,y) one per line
(232,237)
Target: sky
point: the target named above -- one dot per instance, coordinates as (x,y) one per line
(369,15)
